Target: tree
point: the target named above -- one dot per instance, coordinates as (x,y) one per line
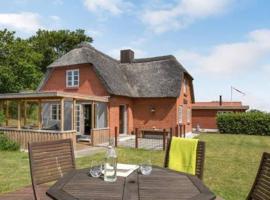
(53,44)
(23,61)
(18,64)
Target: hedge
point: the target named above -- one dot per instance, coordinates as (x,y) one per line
(2,117)
(250,123)
(8,145)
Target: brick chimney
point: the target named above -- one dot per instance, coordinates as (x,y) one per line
(126,56)
(220,100)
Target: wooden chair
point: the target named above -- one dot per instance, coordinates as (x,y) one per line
(199,161)
(49,161)
(261,186)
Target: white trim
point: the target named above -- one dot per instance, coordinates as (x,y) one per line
(180,114)
(189,117)
(73,85)
(78,118)
(58,112)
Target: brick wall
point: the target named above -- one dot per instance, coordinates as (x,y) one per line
(115,102)
(138,109)
(185,99)
(89,82)
(206,118)
(163,117)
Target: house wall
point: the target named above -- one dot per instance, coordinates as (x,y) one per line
(139,113)
(114,103)
(89,82)
(185,100)
(206,118)
(163,117)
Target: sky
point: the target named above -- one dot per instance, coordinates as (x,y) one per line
(222,43)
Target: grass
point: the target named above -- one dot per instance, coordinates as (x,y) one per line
(231,163)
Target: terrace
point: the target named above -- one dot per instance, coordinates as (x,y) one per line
(37,116)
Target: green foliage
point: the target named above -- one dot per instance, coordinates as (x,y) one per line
(2,117)
(251,123)
(53,44)
(23,61)
(18,64)
(7,144)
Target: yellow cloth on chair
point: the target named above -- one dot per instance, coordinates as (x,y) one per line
(183,155)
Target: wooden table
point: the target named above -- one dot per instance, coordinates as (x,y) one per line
(160,185)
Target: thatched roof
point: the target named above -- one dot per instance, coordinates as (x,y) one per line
(148,77)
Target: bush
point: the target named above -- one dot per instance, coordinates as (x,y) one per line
(251,123)
(2,117)
(7,144)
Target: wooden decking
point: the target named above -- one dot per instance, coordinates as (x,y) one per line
(25,194)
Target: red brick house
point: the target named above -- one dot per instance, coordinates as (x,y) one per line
(204,113)
(101,93)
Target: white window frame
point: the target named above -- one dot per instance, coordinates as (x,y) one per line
(180,114)
(188,115)
(71,83)
(58,112)
(78,117)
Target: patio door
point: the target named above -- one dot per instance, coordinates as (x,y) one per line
(87,119)
(122,119)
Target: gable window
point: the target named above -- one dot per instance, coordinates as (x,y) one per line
(72,78)
(180,114)
(55,112)
(188,115)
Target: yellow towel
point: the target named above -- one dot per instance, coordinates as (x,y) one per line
(182,155)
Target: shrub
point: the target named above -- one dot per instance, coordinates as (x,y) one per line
(7,144)
(2,117)
(251,123)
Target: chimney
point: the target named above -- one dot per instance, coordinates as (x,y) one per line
(126,56)
(220,100)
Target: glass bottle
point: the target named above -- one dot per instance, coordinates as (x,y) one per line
(110,168)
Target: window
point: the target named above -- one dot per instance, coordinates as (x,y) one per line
(101,115)
(56,112)
(188,115)
(78,118)
(72,78)
(180,114)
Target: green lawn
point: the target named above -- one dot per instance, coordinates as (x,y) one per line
(230,168)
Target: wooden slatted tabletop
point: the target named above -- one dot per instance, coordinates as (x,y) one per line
(161,184)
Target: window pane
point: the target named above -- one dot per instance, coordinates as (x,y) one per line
(76,73)
(76,83)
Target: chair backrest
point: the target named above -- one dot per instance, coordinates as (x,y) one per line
(49,161)
(200,157)
(261,185)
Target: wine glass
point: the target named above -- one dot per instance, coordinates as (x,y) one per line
(96,169)
(146,167)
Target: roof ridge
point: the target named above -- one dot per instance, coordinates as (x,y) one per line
(151,59)
(93,48)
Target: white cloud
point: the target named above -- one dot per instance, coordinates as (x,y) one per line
(24,21)
(229,58)
(55,18)
(58,2)
(115,7)
(182,14)
(256,102)
(115,53)
(94,33)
